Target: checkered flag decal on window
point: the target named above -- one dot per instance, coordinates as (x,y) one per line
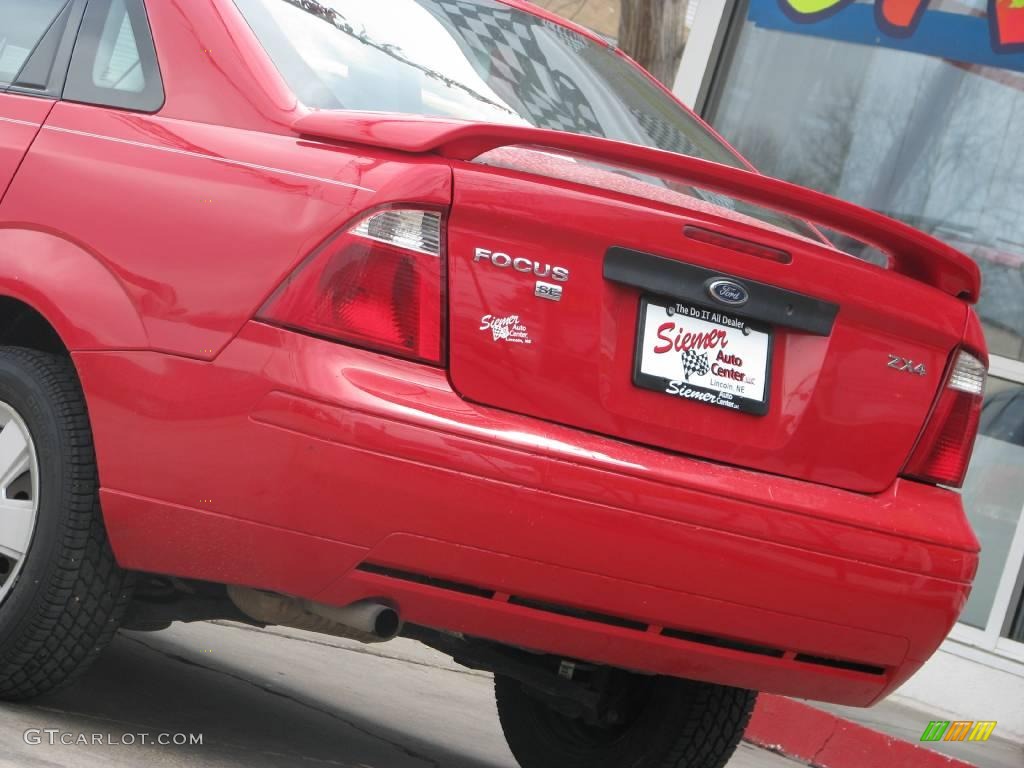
(568,36)
(517,64)
(666,136)
(695,363)
(663,134)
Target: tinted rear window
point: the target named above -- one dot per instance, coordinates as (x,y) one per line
(476,60)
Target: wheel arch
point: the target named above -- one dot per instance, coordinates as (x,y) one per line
(21,325)
(49,282)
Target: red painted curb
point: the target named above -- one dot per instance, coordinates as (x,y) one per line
(824,740)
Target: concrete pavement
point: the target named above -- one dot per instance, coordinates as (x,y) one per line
(269,699)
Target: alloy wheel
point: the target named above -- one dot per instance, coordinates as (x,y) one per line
(19,495)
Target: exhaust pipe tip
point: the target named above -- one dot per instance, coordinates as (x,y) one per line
(370,616)
(369,621)
(387,625)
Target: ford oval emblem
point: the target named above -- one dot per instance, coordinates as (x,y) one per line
(728,292)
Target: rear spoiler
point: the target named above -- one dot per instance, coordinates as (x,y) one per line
(912,253)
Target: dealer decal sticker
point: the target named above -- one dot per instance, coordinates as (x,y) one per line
(508,329)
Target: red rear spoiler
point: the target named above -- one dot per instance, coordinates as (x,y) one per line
(913,253)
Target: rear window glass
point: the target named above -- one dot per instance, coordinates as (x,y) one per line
(118,64)
(114,63)
(23,24)
(477,60)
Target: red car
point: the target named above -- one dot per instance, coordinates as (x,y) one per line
(443,318)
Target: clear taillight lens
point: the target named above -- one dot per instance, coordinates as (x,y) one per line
(945,448)
(408,230)
(378,285)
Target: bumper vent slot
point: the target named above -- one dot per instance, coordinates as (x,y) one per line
(851,666)
(429,581)
(579,613)
(595,617)
(722,642)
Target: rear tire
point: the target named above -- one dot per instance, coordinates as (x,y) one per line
(670,723)
(62,595)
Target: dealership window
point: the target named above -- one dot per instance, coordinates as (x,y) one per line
(924,127)
(994,496)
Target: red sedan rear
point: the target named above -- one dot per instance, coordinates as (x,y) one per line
(442,318)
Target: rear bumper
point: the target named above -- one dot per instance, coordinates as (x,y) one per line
(338,474)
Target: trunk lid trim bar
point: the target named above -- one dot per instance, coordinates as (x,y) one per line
(687,282)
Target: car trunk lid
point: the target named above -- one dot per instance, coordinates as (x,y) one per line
(585,293)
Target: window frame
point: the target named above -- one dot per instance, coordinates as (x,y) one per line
(79,86)
(61,59)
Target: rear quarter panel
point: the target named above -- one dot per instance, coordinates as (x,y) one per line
(20,119)
(197,223)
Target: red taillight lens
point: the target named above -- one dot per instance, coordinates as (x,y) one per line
(944,451)
(378,285)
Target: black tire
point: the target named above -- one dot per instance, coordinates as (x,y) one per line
(672,724)
(70,594)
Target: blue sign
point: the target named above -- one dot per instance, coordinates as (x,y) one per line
(941,34)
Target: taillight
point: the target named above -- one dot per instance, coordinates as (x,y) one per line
(378,285)
(945,447)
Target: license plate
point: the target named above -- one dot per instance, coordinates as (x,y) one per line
(703,355)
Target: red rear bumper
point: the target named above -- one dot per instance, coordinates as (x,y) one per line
(315,469)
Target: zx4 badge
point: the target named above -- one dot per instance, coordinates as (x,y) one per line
(909,366)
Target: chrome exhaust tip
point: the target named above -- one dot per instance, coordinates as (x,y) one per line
(369,621)
(371,616)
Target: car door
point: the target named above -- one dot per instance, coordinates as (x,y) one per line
(36,38)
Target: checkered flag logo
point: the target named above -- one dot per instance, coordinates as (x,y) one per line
(519,68)
(694,363)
